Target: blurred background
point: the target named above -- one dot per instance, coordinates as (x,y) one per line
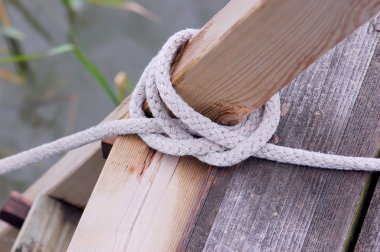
(66,64)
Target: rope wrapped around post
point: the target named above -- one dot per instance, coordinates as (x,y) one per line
(191,133)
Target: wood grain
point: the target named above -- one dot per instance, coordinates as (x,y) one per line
(48,227)
(253,48)
(136,217)
(146,196)
(332,107)
(369,239)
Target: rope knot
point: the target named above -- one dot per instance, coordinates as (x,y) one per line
(191,133)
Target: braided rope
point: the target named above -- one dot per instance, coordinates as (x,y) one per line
(192,133)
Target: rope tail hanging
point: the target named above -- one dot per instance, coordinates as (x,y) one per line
(192,133)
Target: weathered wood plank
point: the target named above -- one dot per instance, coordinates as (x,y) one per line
(369,238)
(49,226)
(159,219)
(332,107)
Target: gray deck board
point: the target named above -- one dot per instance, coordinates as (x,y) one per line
(369,239)
(265,206)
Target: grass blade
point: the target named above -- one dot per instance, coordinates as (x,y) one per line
(90,67)
(108,3)
(95,73)
(13,33)
(10,37)
(73,5)
(123,85)
(30,57)
(142,11)
(127,5)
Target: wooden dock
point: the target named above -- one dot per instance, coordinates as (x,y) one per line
(141,200)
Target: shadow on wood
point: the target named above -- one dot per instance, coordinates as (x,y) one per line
(15,209)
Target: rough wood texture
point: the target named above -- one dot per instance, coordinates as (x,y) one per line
(48,227)
(15,209)
(253,48)
(154,199)
(148,194)
(369,239)
(332,107)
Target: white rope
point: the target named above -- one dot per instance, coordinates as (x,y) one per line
(191,134)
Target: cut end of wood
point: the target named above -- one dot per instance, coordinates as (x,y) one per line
(228,114)
(15,209)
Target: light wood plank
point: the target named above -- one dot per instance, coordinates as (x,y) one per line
(160,220)
(251,49)
(49,226)
(154,200)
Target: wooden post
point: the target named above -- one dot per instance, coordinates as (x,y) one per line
(145,200)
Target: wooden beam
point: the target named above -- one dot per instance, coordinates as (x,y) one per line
(150,199)
(251,49)
(15,209)
(48,227)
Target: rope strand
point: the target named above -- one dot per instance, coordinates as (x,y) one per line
(192,133)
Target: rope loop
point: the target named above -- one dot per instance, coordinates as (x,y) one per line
(192,133)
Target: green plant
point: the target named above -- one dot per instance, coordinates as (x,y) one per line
(95,73)
(14,37)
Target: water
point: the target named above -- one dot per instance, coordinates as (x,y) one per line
(61,97)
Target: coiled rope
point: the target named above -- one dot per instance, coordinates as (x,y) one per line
(192,133)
